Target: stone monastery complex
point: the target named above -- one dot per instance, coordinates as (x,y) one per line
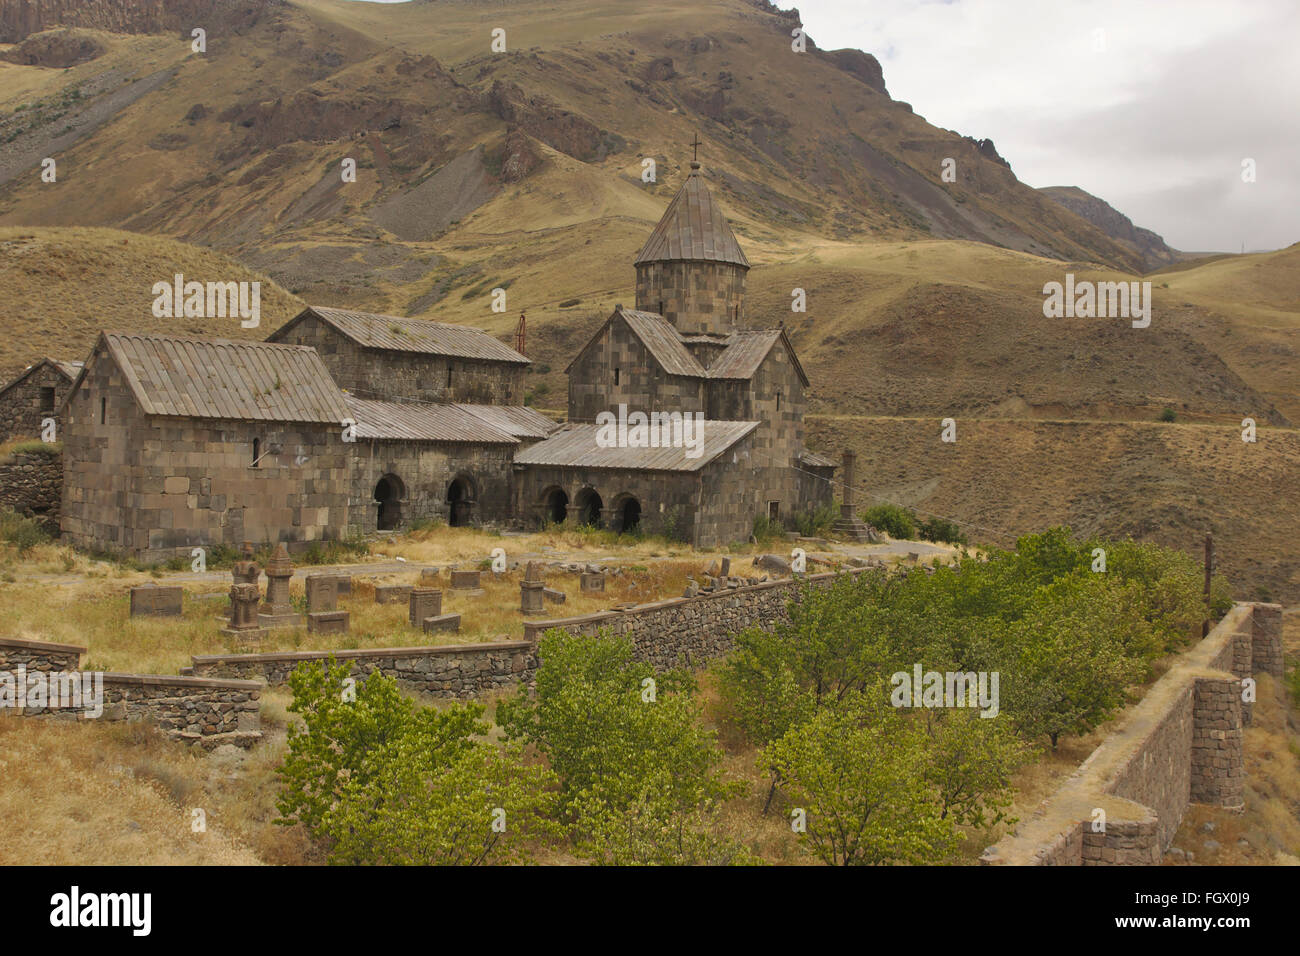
(346,423)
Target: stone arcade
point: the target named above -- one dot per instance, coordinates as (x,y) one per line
(346,423)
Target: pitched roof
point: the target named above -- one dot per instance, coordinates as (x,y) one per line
(661,338)
(518,421)
(394,334)
(218,378)
(399,421)
(815,460)
(742,353)
(575,446)
(692,228)
(69,370)
(745,352)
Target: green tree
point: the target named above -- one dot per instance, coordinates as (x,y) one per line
(969,764)
(858,771)
(484,806)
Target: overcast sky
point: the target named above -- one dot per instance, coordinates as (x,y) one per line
(1150,104)
(1156,122)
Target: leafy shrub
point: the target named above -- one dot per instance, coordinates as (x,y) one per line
(941,529)
(1169,415)
(23,533)
(895,521)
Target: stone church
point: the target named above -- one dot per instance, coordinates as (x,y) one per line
(346,423)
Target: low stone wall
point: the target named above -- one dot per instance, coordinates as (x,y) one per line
(455,670)
(687,631)
(1182,743)
(31,483)
(38,655)
(192,709)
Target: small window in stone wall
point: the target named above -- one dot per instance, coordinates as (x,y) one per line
(616,376)
(257,452)
(103,411)
(449,375)
(778,399)
(47,399)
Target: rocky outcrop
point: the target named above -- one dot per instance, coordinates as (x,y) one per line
(862,65)
(570,133)
(1153,249)
(55,49)
(19,19)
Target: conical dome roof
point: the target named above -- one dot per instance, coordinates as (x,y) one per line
(692,229)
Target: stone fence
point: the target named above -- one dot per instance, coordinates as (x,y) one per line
(1182,744)
(689,630)
(192,709)
(681,631)
(454,670)
(31,483)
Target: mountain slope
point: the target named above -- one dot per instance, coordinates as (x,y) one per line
(1154,251)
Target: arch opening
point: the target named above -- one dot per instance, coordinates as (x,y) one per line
(388,496)
(629,515)
(589,507)
(555,506)
(460,502)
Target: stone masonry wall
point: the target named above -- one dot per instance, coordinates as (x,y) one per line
(30,399)
(31,483)
(404,376)
(687,631)
(38,655)
(190,709)
(1182,743)
(458,671)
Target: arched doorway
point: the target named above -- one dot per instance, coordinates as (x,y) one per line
(460,502)
(555,506)
(589,507)
(629,514)
(389,494)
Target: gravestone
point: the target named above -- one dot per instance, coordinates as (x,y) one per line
(591,581)
(466,580)
(243,622)
(277,610)
(442,622)
(552,595)
(532,600)
(425,603)
(392,593)
(157,601)
(327,622)
(322,593)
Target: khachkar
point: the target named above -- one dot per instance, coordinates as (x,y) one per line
(278,611)
(244,597)
(848,523)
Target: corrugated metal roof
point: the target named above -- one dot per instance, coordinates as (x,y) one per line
(659,336)
(519,421)
(575,446)
(398,421)
(218,378)
(396,334)
(692,228)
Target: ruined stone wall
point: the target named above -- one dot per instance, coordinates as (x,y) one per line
(25,403)
(694,296)
(155,487)
(1182,743)
(398,376)
(38,655)
(687,631)
(425,471)
(31,483)
(458,670)
(195,710)
(642,384)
